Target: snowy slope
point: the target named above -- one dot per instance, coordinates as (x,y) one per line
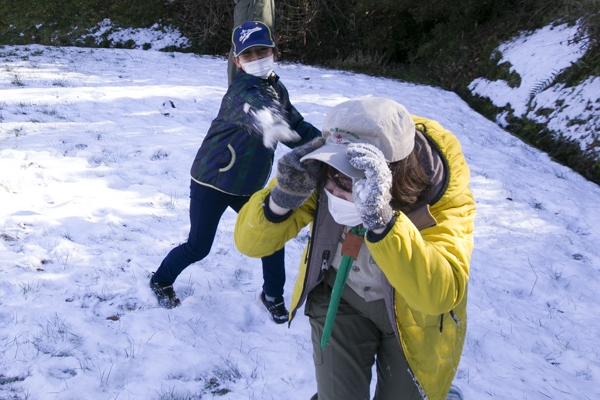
(94,180)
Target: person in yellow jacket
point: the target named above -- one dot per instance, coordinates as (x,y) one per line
(384,275)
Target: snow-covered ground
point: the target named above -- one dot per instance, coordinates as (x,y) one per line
(95,151)
(157,37)
(539,57)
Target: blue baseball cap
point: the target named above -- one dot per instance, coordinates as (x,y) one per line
(251,34)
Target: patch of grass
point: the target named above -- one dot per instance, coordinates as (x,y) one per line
(60,23)
(5,236)
(576,121)
(545,112)
(494,70)
(6,380)
(172,394)
(483,105)
(56,339)
(160,154)
(29,288)
(17,81)
(565,151)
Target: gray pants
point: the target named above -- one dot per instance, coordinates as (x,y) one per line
(250,10)
(362,336)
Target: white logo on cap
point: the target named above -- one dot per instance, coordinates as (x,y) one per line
(338,138)
(245,34)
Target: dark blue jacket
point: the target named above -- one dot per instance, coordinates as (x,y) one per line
(232,157)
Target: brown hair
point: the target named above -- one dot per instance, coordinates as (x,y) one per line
(409,182)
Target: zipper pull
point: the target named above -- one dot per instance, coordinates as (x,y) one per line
(455,318)
(324,268)
(324,263)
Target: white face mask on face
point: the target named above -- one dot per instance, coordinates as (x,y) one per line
(344,212)
(261,67)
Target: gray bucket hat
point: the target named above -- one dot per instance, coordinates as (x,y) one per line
(378,121)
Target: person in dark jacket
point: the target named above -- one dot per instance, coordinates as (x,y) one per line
(250,10)
(235,160)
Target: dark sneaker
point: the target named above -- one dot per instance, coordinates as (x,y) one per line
(276,308)
(165,294)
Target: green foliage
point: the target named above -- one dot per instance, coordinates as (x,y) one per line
(60,23)
(589,64)
(207,23)
(446,43)
(483,105)
(495,70)
(544,112)
(565,151)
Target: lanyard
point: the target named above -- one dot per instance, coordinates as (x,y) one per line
(352,243)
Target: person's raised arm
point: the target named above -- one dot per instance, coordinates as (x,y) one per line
(296,180)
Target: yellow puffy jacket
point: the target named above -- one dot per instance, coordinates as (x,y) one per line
(425,260)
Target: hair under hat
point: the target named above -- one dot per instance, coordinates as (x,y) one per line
(251,34)
(378,121)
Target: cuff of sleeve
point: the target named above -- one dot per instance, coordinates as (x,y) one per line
(270,215)
(374,237)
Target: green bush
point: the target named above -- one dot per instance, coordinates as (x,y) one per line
(447,43)
(60,23)
(563,150)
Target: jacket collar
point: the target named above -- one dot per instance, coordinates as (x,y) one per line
(436,168)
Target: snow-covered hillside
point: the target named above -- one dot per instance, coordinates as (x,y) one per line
(538,57)
(95,151)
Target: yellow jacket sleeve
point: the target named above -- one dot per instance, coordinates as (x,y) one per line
(256,236)
(429,268)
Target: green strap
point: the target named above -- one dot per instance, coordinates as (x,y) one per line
(336,294)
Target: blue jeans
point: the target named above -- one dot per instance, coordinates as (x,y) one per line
(207,206)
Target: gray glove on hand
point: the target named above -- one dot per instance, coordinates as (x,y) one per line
(296,180)
(371,194)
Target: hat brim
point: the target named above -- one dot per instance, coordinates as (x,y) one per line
(335,155)
(255,44)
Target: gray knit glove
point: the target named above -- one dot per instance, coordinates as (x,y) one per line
(371,194)
(296,180)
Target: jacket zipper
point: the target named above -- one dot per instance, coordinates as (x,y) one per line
(308,251)
(324,268)
(308,257)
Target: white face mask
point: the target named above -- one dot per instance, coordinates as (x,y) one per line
(344,212)
(261,67)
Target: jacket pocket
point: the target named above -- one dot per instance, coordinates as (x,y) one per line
(454,318)
(228,166)
(316,310)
